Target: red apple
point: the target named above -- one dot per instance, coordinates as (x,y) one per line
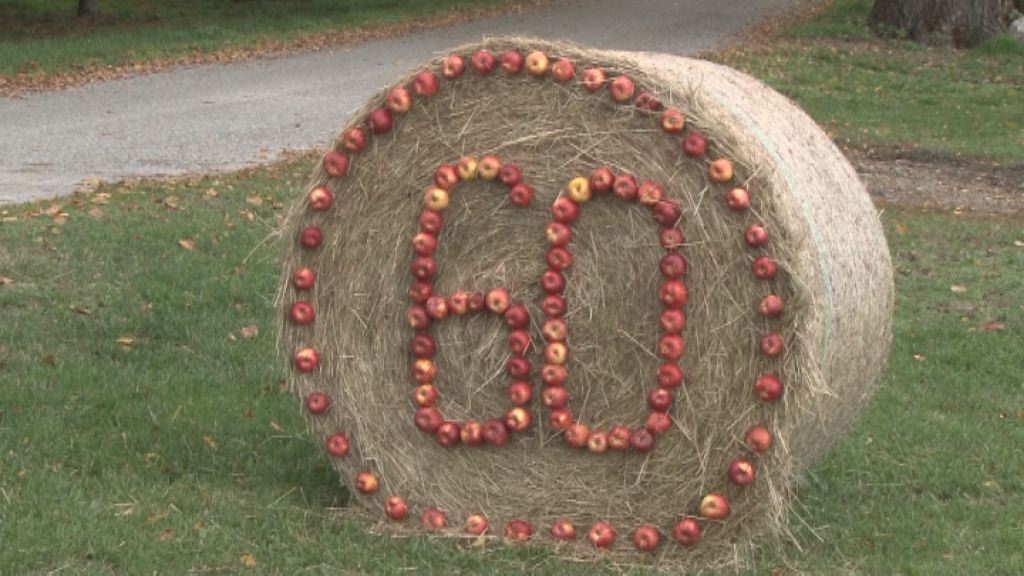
(673,121)
(424,268)
(518,530)
(380,121)
(467,168)
(660,399)
(597,442)
(367,482)
(472,433)
(448,434)
(558,234)
(649,193)
(601,535)
(521,195)
(520,393)
(641,440)
(720,170)
(518,367)
(764,267)
(741,472)
(458,303)
(647,101)
(578,189)
(335,164)
(483,62)
(673,294)
(553,375)
(311,237)
(737,199)
(559,258)
(425,395)
(646,538)
(436,199)
(563,529)
(559,419)
(337,445)
(687,531)
(670,238)
(477,301)
(672,321)
(517,317)
(666,213)
(431,222)
(497,301)
(552,282)
(593,79)
(307,360)
(302,313)
(495,433)
(396,508)
(512,61)
(563,70)
(433,519)
(625,187)
(772,345)
(417,318)
(714,507)
(510,175)
(452,66)
(554,330)
(518,419)
(428,419)
(446,177)
(553,306)
(695,145)
(658,423)
(556,353)
(671,346)
(555,397)
(673,265)
(576,435)
(618,438)
(519,342)
(621,89)
(537,64)
(489,167)
(756,236)
(564,210)
(318,402)
(399,101)
(758,439)
(670,376)
(768,388)
(601,179)
(475,525)
(425,83)
(354,140)
(424,244)
(303,278)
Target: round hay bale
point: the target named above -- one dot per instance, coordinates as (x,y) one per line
(410,368)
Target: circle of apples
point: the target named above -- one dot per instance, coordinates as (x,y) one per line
(429,307)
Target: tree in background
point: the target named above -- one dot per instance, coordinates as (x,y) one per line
(960,23)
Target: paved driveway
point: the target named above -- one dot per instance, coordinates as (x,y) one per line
(217,117)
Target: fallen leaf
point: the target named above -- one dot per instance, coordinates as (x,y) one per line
(212,193)
(166,535)
(5,280)
(248,560)
(49,360)
(277,428)
(900,228)
(126,342)
(250,331)
(1018,243)
(60,218)
(187,244)
(101,198)
(171,202)
(920,357)
(992,327)
(156,517)
(210,442)
(79,310)
(254,200)
(958,289)
(21,473)
(198,526)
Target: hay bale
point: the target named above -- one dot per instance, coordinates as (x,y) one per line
(834,279)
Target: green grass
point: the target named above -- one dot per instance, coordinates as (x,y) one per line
(873,92)
(46,36)
(183,452)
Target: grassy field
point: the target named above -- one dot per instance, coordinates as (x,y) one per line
(143,425)
(895,93)
(46,36)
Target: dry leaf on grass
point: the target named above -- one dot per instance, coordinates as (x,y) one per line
(5,280)
(248,560)
(171,202)
(250,331)
(187,244)
(210,442)
(1018,243)
(79,310)
(166,535)
(958,289)
(254,200)
(992,327)
(126,343)
(920,357)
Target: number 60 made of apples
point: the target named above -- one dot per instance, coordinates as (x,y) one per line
(614,302)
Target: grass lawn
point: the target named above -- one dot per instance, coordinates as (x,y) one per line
(46,36)
(143,427)
(895,93)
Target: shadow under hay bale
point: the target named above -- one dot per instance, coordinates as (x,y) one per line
(834,278)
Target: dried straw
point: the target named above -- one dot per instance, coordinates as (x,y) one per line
(836,282)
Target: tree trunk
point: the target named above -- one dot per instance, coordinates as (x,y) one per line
(960,23)
(86,7)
